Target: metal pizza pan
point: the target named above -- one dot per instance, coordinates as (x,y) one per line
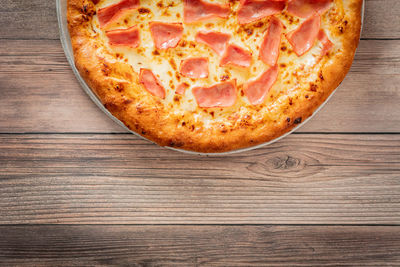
(66,43)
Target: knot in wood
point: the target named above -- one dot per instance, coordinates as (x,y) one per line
(284,162)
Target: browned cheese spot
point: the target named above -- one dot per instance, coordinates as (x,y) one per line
(144,10)
(172,63)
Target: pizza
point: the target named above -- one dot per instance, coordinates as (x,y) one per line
(213,75)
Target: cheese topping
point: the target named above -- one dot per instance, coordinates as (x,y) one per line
(231,49)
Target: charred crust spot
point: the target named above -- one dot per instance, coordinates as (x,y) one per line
(160,4)
(306,96)
(298,120)
(290,101)
(156,53)
(119,88)
(144,132)
(341,29)
(321,76)
(139,109)
(173,143)
(282,65)
(84,9)
(106,69)
(283,48)
(212,113)
(111,106)
(127,101)
(288,119)
(183,124)
(313,87)
(176,98)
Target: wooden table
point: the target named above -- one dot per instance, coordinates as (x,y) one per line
(76,189)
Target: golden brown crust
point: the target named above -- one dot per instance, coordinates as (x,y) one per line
(115,83)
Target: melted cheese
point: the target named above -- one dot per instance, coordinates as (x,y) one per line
(294,72)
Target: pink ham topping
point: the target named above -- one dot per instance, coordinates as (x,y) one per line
(151,83)
(307,8)
(303,38)
(217,41)
(166,35)
(198,10)
(220,95)
(181,88)
(257,90)
(236,56)
(269,51)
(111,13)
(125,37)
(327,45)
(253,10)
(195,68)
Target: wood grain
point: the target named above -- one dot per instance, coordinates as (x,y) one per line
(40,93)
(199,246)
(97,184)
(37,19)
(119,179)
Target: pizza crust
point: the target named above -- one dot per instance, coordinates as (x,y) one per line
(117,86)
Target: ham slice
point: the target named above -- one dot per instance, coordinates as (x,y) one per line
(111,13)
(236,56)
(220,95)
(257,90)
(269,51)
(181,89)
(303,38)
(198,10)
(217,41)
(125,37)
(195,68)
(327,45)
(151,83)
(253,10)
(306,8)
(166,35)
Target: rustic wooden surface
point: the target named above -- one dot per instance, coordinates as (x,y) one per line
(76,189)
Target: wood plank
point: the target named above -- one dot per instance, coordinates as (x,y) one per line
(37,19)
(199,245)
(118,179)
(40,93)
